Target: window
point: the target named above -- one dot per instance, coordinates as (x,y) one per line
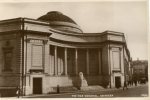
(8,55)
(116,60)
(37,53)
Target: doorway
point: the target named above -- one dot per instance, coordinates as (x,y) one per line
(37,85)
(117,82)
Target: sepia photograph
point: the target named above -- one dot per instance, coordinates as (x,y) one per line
(96,49)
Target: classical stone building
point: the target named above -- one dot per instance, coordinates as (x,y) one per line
(53,49)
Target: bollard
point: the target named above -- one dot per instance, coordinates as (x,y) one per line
(58,91)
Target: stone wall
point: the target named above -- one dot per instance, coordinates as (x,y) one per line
(49,83)
(10,78)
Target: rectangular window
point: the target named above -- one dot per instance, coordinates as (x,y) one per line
(37,55)
(116,60)
(8,56)
(7,61)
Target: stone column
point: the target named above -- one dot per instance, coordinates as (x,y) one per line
(87,61)
(76,61)
(55,60)
(121,61)
(99,61)
(46,57)
(65,60)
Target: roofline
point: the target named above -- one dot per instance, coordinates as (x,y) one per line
(26,32)
(19,19)
(88,34)
(34,21)
(106,41)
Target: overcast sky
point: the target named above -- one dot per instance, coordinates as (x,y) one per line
(129,17)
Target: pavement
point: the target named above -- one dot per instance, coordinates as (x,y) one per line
(133,91)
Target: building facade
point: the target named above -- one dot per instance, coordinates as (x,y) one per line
(140,69)
(52,50)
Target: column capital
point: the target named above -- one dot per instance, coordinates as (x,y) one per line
(45,41)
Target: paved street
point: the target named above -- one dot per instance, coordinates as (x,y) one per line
(139,91)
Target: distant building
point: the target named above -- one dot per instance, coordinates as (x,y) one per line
(40,54)
(140,69)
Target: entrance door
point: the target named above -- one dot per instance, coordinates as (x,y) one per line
(117,82)
(37,85)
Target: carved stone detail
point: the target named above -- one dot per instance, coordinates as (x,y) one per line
(82,80)
(30,40)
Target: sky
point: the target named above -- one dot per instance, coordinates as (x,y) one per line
(129,17)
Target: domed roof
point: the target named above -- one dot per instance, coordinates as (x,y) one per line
(56,16)
(60,22)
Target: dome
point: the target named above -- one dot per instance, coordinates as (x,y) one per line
(59,21)
(56,16)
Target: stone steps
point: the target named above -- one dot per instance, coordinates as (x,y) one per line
(65,89)
(68,89)
(74,89)
(92,88)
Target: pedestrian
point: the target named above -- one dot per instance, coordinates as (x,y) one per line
(135,82)
(132,82)
(58,89)
(125,85)
(129,83)
(18,91)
